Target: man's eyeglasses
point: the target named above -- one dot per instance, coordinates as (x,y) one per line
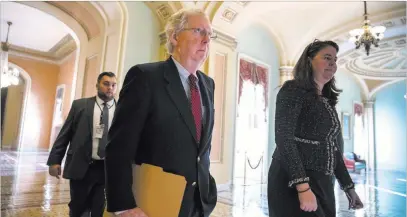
(202,32)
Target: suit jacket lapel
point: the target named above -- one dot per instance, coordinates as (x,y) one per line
(205,93)
(178,96)
(90,106)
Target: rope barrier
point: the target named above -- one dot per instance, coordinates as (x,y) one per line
(258,164)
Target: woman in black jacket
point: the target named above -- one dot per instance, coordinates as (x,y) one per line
(307,128)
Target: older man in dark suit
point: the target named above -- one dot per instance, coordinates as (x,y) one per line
(85,131)
(165,117)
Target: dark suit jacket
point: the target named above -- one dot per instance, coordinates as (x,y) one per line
(154,124)
(77,132)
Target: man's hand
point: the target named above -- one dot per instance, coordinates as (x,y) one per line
(55,170)
(136,212)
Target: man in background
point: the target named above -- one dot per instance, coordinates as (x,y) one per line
(85,131)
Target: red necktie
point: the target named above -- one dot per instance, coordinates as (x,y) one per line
(195,105)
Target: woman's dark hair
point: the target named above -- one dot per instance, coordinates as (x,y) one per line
(304,74)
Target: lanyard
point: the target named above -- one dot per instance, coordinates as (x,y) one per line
(101,110)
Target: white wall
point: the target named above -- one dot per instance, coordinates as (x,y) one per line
(390,127)
(142,41)
(351,92)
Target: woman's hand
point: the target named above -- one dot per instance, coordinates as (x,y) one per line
(308,201)
(354,200)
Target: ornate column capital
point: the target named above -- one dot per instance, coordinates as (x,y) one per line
(225,39)
(286,70)
(368,103)
(286,73)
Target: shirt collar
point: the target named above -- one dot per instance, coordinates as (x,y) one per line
(100,101)
(181,70)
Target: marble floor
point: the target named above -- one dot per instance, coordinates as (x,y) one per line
(28,191)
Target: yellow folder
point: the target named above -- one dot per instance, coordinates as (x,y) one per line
(158,193)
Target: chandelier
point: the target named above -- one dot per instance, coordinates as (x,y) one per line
(9,75)
(367,35)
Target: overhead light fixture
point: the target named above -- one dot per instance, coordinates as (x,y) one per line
(9,75)
(367,35)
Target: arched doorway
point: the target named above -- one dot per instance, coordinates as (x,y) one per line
(14,110)
(98,47)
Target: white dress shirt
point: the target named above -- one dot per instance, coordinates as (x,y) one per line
(111,105)
(184,74)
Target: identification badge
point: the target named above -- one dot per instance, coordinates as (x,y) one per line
(99,131)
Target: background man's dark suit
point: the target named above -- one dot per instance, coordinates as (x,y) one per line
(154,124)
(77,132)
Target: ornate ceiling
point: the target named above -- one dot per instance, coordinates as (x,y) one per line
(387,61)
(54,55)
(52,46)
(292,25)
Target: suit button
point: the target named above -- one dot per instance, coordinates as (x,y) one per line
(199,159)
(193,184)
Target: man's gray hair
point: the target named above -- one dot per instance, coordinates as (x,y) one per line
(177,22)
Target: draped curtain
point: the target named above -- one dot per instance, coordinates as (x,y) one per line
(358,108)
(258,75)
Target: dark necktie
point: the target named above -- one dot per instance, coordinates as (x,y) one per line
(195,105)
(105,122)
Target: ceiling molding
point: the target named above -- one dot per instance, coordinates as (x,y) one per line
(83,13)
(362,84)
(340,34)
(56,58)
(163,10)
(176,6)
(67,39)
(63,48)
(102,11)
(376,89)
(386,62)
(373,83)
(25,55)
(231,17)
(225,39)
(342,31)
(228,11)
(211,9)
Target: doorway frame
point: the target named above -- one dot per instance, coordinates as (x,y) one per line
(51,136)
(242,55)
(27,89)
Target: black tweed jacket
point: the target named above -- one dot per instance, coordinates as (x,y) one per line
(307,128)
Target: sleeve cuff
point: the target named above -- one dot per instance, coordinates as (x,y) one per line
(52,160)
(298,181)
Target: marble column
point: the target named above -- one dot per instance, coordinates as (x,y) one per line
(369,120)
(286,73)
